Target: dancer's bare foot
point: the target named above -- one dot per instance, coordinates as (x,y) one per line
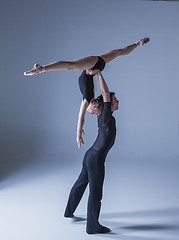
(143,41)
(35,70)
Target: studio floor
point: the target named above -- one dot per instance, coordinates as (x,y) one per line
(139,203)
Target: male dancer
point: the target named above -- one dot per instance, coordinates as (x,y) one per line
(93,163)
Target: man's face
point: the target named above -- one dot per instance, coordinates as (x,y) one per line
(114,103)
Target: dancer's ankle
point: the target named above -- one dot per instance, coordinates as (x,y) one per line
(43,69)
(68,215)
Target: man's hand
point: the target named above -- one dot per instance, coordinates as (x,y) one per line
(79,139)
(92,72)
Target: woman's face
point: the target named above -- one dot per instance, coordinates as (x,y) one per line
(92,108)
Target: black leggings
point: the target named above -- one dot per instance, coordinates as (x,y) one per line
(93,173)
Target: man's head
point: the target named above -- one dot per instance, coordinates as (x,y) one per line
(96,105)
(114,103)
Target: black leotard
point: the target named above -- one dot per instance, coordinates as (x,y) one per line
(93,171)
(85,81)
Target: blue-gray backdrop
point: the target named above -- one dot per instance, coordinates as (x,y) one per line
(39,114)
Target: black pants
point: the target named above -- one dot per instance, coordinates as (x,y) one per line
(93,173)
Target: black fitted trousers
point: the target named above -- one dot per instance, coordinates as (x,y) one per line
(92,172)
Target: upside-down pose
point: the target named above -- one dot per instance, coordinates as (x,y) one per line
(85,80)
(93,163)
(94,159)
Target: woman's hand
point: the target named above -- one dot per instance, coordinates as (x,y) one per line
(79,139)
(35,70)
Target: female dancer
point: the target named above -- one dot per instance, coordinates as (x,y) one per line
(85,80)
(94,159)
(85,63)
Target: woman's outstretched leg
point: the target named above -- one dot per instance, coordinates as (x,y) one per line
(109,56)
(84,63)
(79,64)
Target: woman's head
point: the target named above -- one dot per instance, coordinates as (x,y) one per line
(96,105)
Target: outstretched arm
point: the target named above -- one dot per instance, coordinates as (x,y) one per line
(103,88)
(81,120)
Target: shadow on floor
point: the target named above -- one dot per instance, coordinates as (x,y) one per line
(127,230)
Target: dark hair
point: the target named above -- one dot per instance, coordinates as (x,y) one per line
(100,102)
